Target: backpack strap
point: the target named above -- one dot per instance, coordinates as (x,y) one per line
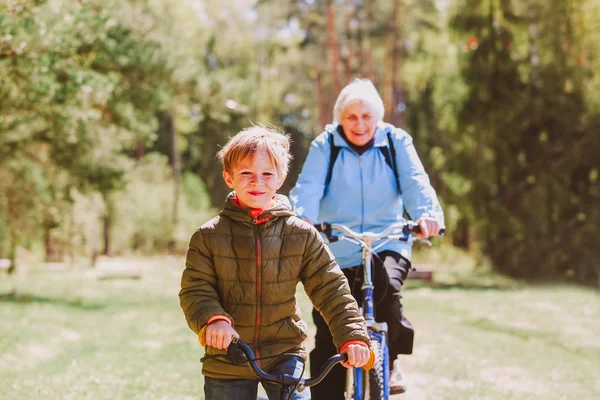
(335,151)
(389,153)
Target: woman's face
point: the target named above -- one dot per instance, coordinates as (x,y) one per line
(358,121)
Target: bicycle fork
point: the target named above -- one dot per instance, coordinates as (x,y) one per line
(357,378)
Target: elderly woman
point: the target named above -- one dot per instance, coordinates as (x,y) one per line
(364,173)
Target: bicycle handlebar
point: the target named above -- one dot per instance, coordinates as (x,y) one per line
(239,352)
(407,228)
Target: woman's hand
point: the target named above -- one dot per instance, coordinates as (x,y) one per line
(219,334)
(358,355)
(429,227)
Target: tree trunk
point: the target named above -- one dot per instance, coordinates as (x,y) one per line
(387,90)
(12,253)
(333,48)
(175,165)
(348,54)
(106,223)
(141,150)
(360,58)
(368,48)
(49,248)
(461,235)
(12,236)
(398,93)
(323,119)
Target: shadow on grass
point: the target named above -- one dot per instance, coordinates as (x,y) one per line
(480,279)
(27,298)
(463,285)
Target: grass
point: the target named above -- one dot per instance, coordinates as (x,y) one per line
(117,332)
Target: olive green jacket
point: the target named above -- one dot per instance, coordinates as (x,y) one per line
(248,269)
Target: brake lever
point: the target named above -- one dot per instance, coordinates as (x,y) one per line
(235,354)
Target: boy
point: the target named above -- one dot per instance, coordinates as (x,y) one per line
(242,269)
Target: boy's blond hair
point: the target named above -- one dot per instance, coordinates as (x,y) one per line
(251,140)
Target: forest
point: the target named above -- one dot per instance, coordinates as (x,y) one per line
(111,113)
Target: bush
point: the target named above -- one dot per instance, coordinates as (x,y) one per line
(143,211)
(141,217)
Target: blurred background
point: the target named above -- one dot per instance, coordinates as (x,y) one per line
(111,113)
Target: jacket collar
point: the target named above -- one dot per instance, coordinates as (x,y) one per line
(280,208)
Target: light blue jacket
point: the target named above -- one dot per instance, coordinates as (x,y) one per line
(363,193)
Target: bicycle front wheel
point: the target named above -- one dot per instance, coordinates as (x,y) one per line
(379,375)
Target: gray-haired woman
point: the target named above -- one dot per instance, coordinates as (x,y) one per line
(364,173)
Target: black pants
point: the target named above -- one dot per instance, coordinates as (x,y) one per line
(390,271)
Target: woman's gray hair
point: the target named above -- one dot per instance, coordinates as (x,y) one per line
(359,91)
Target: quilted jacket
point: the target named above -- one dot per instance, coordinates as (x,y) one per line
(247,269)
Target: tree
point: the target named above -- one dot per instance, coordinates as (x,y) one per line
(528,142)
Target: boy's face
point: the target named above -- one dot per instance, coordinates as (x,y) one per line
(255,180)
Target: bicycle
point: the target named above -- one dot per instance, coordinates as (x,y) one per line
(240,352)
(376,382)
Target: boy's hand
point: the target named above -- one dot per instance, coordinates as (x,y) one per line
(358,355)
(219,334)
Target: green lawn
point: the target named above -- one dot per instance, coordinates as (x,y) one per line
(117,332)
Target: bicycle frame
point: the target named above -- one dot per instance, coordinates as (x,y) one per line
(356,384)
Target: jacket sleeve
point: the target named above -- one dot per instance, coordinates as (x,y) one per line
(419,197)
(328,289)
(198,296)
(306,195)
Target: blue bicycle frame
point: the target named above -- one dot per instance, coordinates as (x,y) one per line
(377,330)
(358,378)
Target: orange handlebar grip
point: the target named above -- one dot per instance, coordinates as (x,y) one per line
(202,336)
(371,361)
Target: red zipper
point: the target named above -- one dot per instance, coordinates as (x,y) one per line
(258,284)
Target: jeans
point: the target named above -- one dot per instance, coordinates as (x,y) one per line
(247,389)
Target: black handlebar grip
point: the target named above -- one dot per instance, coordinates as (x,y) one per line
(325,228)
(417,229)
(235,353)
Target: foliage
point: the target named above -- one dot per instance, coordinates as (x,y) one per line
(83,82)
(528,140)
(501,97)
(142,224)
